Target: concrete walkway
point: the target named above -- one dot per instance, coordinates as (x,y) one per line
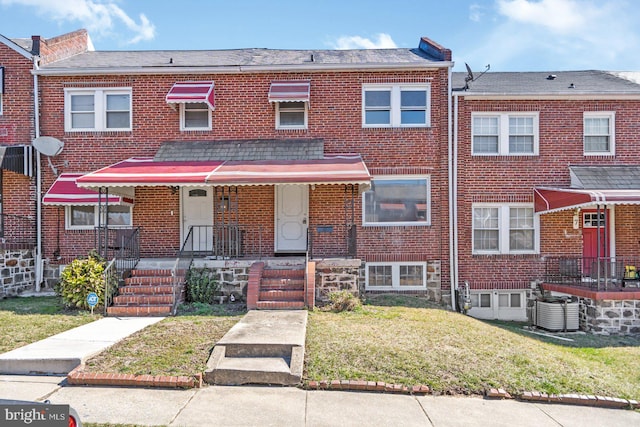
(280,406)
(61,353)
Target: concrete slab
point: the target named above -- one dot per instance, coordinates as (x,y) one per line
(573,416)
(61,353)
(343,408)
(268,327)
(130,406)
(22,387)
(476,411)
(244,406)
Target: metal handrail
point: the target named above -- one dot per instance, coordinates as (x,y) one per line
(110,276)
(599,273)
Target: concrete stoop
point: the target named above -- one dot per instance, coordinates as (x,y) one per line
(265,347)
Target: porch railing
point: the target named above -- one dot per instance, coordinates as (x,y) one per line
(111,278)
(332,241)
(224,241)
(17,231)
(595,273)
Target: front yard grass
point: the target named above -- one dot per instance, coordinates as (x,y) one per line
(24,320)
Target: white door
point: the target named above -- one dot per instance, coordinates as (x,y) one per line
(292,211)
(197,212)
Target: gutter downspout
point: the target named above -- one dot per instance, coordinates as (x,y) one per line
(453,252)
(36,110)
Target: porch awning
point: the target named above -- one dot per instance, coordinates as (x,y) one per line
(65,191)
(557,199)
(144,171)
(289,91)
(345,169)
(184,92)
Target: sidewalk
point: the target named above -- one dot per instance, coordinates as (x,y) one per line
(280,406)
(61,353)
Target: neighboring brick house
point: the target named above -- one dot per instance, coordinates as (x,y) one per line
(253,153)
(18,161)
(542,161)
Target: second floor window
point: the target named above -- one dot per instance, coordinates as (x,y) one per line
(291,115)
(195,116)
(599,133)
(507,134)
(97,109)
(396,106)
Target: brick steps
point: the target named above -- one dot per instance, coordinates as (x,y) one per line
(145,293)
(281,289)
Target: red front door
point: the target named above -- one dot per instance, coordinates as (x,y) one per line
(592,225)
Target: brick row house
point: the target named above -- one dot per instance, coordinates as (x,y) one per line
(295,173)
(252,158)
(547,168)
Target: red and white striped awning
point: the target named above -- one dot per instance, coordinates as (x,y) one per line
(548,200)
(345,169)
(184,92)
(144,171)
(65,191)
(289,91)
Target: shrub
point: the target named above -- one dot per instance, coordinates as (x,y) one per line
(202,285)
(81,277)
(343,301)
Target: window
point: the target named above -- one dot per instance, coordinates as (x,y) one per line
(599,133)
(481,300)
(291,115)
(86,217)
(506,134)
(396,106)
(398,201)
(98,109)
(505,229)
(195,116)
(398,276)
(510,300)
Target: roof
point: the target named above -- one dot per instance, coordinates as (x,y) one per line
(587,82)
(605,177)
(176,61)
(17,45)
(255,149)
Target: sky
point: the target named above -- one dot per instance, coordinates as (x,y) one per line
(507,35)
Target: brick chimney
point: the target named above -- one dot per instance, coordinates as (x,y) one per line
(434,50)
(64,46)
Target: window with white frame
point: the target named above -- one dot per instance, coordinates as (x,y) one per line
(291,115)
(599,133)
(396,105)
(195,116)
(86,217)
(396,275)
(510,300)
(98,109)
(506,134)
(505,229)
(398,200)
(480,300)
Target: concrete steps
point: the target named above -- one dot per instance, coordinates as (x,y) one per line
(146,292)
(265,347)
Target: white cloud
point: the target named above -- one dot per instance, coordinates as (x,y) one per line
(558,35)
(380,41)
(475,12)
(101,18)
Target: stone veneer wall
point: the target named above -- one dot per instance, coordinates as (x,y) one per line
(17,269)
(337,275)
(233,276)
(610,316)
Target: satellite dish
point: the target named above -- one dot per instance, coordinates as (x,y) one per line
(48,145)
(469,77)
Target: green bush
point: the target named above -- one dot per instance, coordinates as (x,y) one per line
(81,277)
(343,301)
(202,285)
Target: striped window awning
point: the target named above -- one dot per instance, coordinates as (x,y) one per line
(290,91)
(65,192)
(186,92)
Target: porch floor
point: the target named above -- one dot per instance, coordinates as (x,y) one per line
(611,293)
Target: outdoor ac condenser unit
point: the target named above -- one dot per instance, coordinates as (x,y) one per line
(557,315)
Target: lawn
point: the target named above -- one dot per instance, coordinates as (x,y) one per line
(395,339)
(25,320)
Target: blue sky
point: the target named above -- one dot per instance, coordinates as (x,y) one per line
(510,35)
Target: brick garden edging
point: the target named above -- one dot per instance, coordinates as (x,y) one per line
(79,377)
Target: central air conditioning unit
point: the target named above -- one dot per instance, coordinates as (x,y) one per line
(556,314)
